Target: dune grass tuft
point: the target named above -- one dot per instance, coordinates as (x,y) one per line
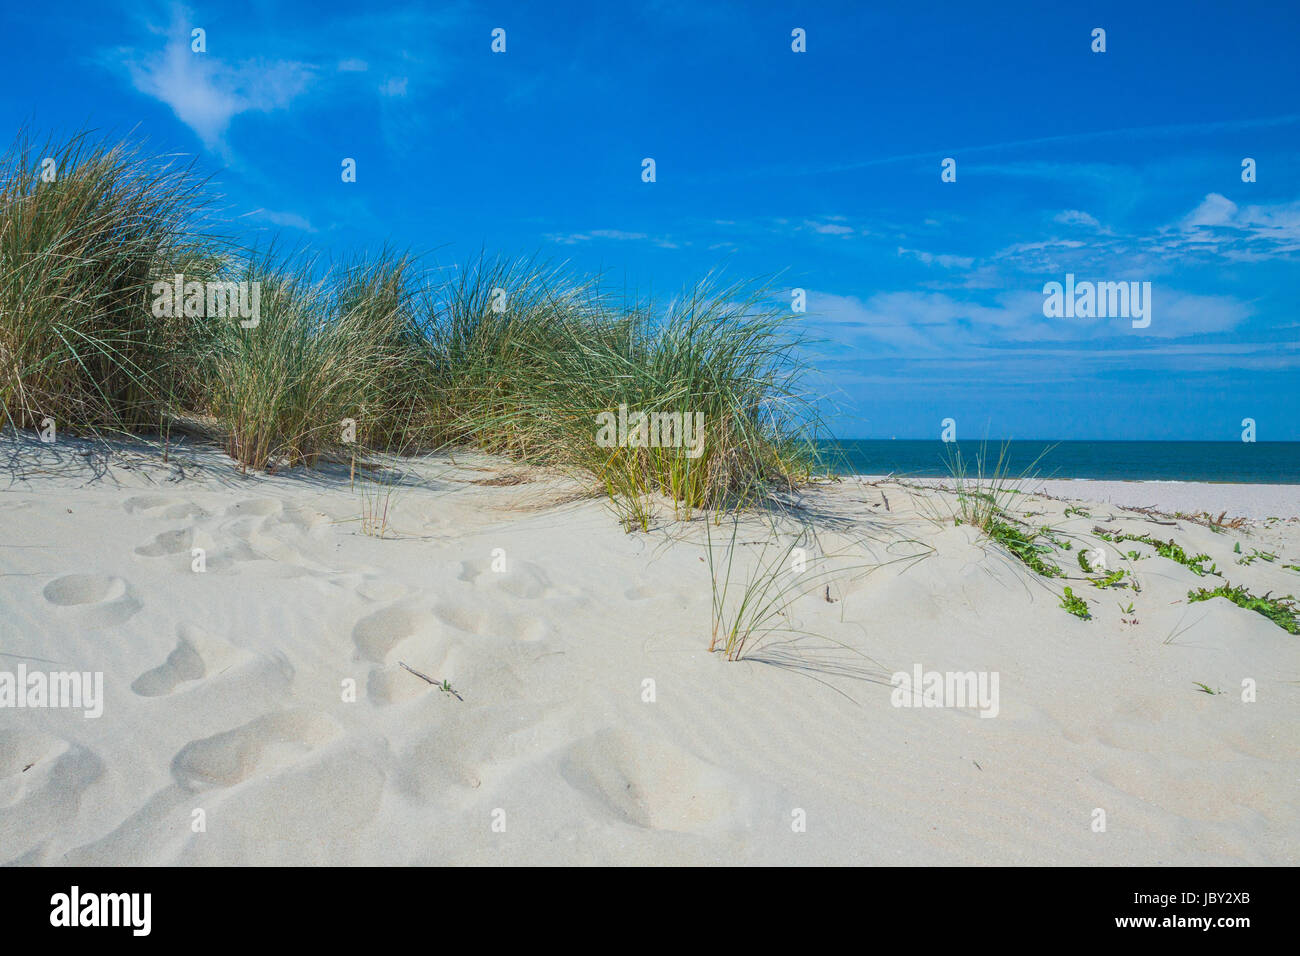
(534,378)
(984,498)
(327,353)
(508,355)
(86,227)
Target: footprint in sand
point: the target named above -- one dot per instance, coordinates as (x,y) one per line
(418,639)
(197,655)
(375,587)
(262,746)
(101,599)
(368,585)
(471,747)
(651,784)
(42,780)
(423,641)
(378,633)
(258,529)
(73,589)
(491,623)
(523,579)
(299,519)
(254,507)
(163,507)
(394,684)
(484,676)
(179,541)
(24,755)
(645,591)
(182,542)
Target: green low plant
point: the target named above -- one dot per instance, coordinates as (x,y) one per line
(1166,549)
(1115,579)
(1075,605)
(1281,611)
(1256,555)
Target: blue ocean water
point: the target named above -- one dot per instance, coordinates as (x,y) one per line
(1248,462)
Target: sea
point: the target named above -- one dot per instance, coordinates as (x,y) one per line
(1212,461)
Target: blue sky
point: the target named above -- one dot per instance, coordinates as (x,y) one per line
(821,166)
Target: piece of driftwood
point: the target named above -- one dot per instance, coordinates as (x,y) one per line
(1148,514)
(441,685)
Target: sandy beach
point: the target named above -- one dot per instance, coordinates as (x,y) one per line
(1253,500)
(499,674)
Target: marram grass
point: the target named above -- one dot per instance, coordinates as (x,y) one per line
(509,355)
(85,228)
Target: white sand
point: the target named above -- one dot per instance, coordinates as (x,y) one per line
(1187,497)
(224,689)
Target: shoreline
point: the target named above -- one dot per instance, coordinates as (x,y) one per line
(1257,501)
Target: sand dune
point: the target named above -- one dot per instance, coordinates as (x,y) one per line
(270,708)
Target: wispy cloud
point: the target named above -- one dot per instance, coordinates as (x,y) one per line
(288,220)
(1076,217)
(940,259)
(206,92)
(939,150)
(828,228)
(1214,210)
(909,324)
(613,235)
(1240,233)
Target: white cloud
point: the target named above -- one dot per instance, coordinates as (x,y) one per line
(1214,210)
(290,220)
(616,235)
(1240,233)
(329,63)
(828,228)
(205,92)
(911,324)
(1076,217)
(931,259)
